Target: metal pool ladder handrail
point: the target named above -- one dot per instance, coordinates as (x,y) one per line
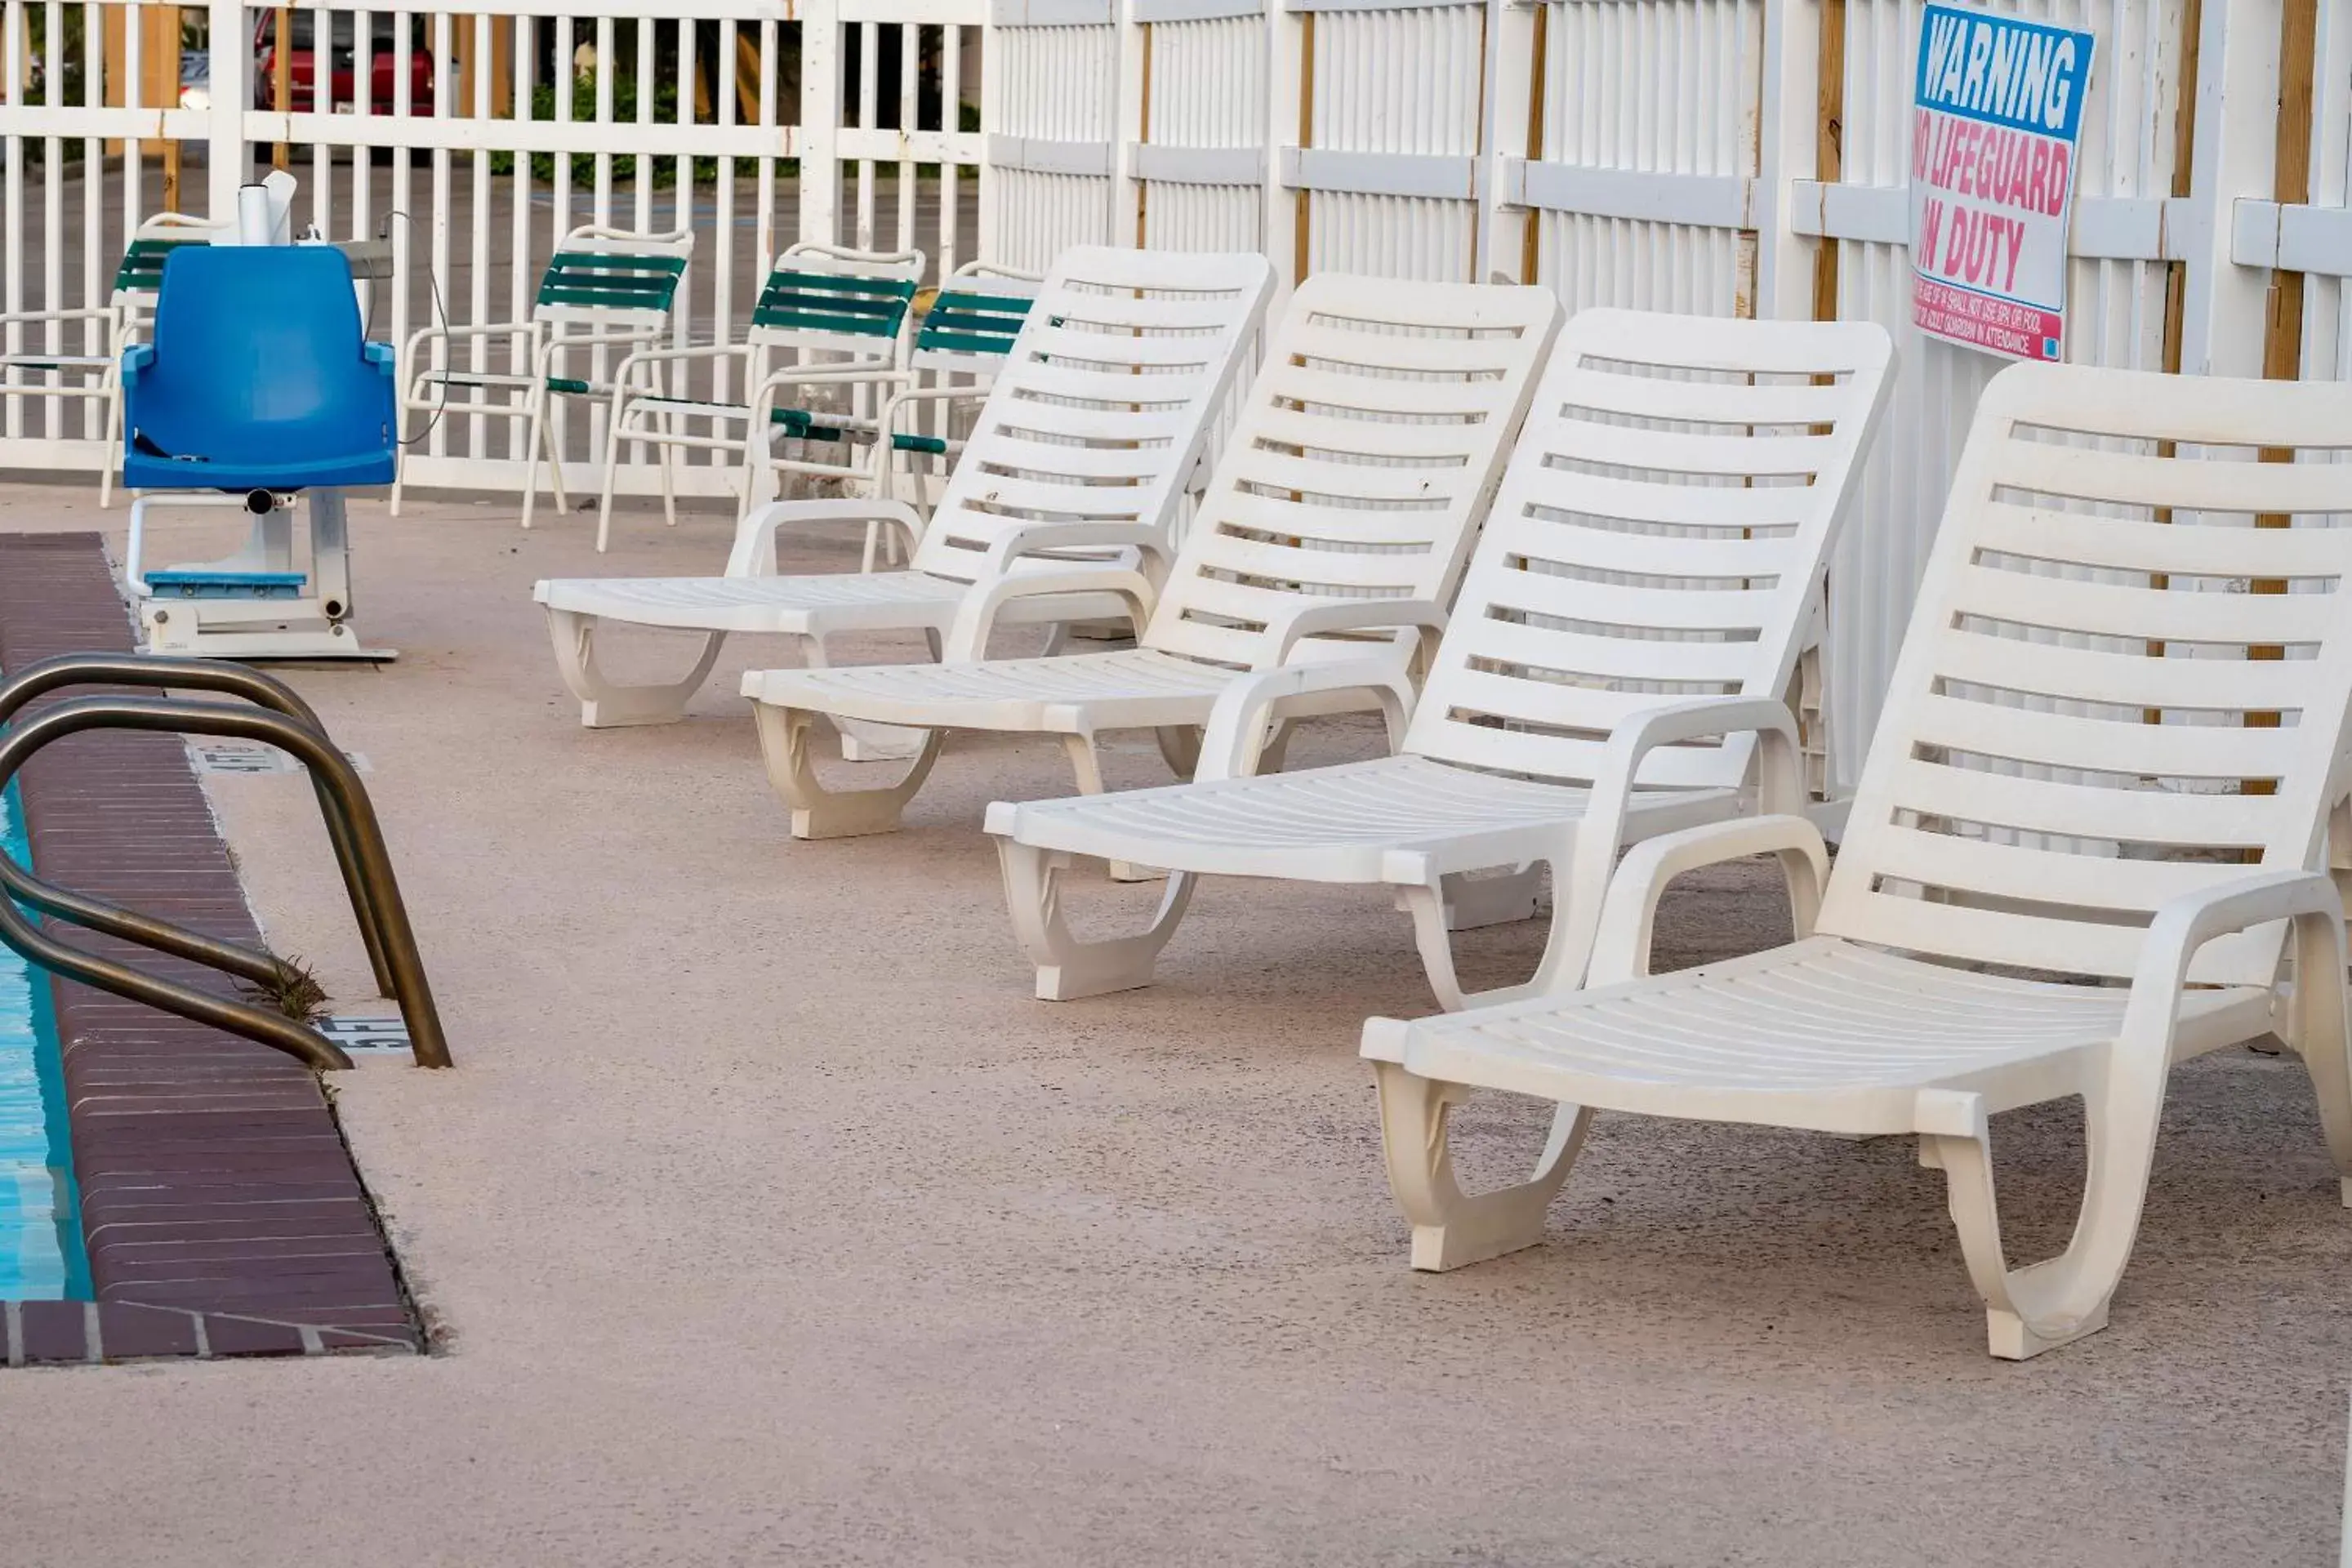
(287,724)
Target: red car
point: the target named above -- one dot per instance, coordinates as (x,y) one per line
(384,60)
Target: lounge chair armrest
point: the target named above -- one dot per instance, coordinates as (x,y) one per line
(754,554)
(136,358)
(2185,924)
(1036,538)
(1237,728)
(1780,779)
(975,617)
(1353,615)
(1621,946)
(1586,882)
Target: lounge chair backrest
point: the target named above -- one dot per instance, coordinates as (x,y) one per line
(2094,666)
(618,277)
(1661,533)
(1363,460)
(1103,404)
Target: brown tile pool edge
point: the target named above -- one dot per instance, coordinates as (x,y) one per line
(221,1209)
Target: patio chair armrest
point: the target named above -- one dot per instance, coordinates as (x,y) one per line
(754,554)
(42,318)
(1351,615)
(607,337)
(1620,946)
(450,332)
(1586,881)
(880,372)
(996,270)
(674,356)
(136,358)
(555,342)
(380,356)
(941,394)
(975,617)
(763,401)
(1235,738)
(888,422)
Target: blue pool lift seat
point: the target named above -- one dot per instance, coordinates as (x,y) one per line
(259,377)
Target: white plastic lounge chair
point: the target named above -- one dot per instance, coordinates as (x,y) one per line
(835,315)
(1633,588)
(2066,834)
(604,289)
(1085,441)
(119,322)
(1333,531)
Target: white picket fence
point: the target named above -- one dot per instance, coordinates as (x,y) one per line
(1726,156)
(473,195)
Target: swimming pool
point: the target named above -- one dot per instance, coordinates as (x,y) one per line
(41,1256)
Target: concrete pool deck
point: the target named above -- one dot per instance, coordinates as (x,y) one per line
(766,1218)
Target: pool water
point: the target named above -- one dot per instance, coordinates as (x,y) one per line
(41,1256)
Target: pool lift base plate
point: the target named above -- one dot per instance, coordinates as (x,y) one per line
(255,603)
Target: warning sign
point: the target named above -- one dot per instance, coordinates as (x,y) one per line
(1997,117)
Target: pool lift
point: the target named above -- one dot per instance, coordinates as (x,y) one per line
(259,388)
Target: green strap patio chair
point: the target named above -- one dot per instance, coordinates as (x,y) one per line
(828,316)
(604,287)
(97,377)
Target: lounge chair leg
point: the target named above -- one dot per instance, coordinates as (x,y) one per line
(2027,1310)
(1068,967)
(1472,902)
(1434,922)
(862,741)
(1086,764)
(2318,1030)
(1433,933)
(1277,746)
(821,813)
(2047,1304)
(555,457)
(604,703)
(1179,747)
(1451,1227)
